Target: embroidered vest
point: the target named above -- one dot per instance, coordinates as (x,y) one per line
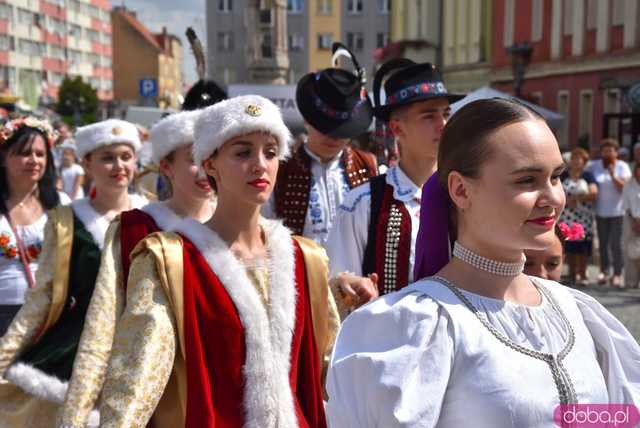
(388,246)
(294,183)
(215,347)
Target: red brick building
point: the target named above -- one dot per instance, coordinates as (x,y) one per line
(585,57)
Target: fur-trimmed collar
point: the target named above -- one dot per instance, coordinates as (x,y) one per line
(96,223)
(268,401)
(165,217)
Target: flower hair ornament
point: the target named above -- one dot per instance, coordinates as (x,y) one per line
(9,129)
(573,232)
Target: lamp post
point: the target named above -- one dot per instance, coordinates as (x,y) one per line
(520,58)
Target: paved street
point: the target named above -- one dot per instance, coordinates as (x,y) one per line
(624,304)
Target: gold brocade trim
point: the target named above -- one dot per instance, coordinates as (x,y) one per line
(168,253)
(317,270)
(62,219)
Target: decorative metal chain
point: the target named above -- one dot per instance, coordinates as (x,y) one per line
(561,377)
(391,250)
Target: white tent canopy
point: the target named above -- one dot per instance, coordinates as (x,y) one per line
(555,120)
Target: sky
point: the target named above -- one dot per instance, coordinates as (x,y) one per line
(176,16)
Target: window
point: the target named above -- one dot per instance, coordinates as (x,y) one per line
(563,108)
(225,41)
(92,35)
(509,13)
(55,78)
(325,7)
(55,25)
(266,46)
(30,48)
(106,61)
(7,78)
(26,17)
(265,17)
(586,113)
(225,6)
(56,52)
(6,12)
(7,43)
(93,11)
(567,16)
(75,30)
(612,101)
(295,6)
(617,17)
(355,41)
(296,42)
(74,6)
(382,40)
(107,85)
(384,6)
(592,14)
(93,58)
(612,105)
(354,6)
(536,20)
(75,56)
(325,40)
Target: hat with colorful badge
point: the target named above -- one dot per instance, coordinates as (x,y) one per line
(106,133)
(407,82)
(235,117)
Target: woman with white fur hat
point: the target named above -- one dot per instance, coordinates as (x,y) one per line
(38,350)
(192,196)
(226,322)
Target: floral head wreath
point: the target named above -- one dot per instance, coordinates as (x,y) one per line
(9,129)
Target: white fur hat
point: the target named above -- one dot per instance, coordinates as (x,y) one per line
(106,133)
(172,132)
(238,116)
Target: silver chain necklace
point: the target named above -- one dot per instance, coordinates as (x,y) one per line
(561,377)
(482,263)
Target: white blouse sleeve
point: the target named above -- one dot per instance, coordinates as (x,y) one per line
(348,236)
(391,364)
(618,352)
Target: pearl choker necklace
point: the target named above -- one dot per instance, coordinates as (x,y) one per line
(487,265)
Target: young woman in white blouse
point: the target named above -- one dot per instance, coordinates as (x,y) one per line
(27,191)
(480,343)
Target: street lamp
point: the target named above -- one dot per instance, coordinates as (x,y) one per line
(520,58)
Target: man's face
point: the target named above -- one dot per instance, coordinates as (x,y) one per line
(419,126)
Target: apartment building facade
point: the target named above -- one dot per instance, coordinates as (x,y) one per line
(41,41)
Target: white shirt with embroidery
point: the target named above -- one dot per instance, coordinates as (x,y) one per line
(348,238)
(327,191)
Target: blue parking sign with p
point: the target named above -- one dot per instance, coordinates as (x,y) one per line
(148,88)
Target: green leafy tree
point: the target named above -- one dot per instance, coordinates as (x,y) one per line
(77,102)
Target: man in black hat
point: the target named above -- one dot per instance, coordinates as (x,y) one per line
(312,183)
(377,224)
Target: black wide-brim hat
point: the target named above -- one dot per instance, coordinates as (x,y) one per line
(409,83)
(334,102)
